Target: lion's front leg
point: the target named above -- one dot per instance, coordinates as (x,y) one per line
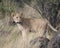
(23,30)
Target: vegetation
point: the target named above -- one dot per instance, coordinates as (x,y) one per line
(10,36)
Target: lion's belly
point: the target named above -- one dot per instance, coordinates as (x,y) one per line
(39,26)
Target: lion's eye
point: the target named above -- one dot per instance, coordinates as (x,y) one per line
(16,17)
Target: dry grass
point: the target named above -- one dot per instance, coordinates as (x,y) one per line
(10,36)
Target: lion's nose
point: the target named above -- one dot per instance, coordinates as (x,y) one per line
(13,21)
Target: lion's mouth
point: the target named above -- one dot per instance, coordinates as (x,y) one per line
(17,22)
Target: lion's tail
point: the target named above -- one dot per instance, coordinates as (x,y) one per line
(52,27)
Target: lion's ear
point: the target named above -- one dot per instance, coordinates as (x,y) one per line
(13,14)
(21,15)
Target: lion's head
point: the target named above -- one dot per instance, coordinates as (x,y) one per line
(17,17)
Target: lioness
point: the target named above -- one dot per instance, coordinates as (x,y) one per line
(31,24)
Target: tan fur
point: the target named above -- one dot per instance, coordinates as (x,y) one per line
(31,24)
